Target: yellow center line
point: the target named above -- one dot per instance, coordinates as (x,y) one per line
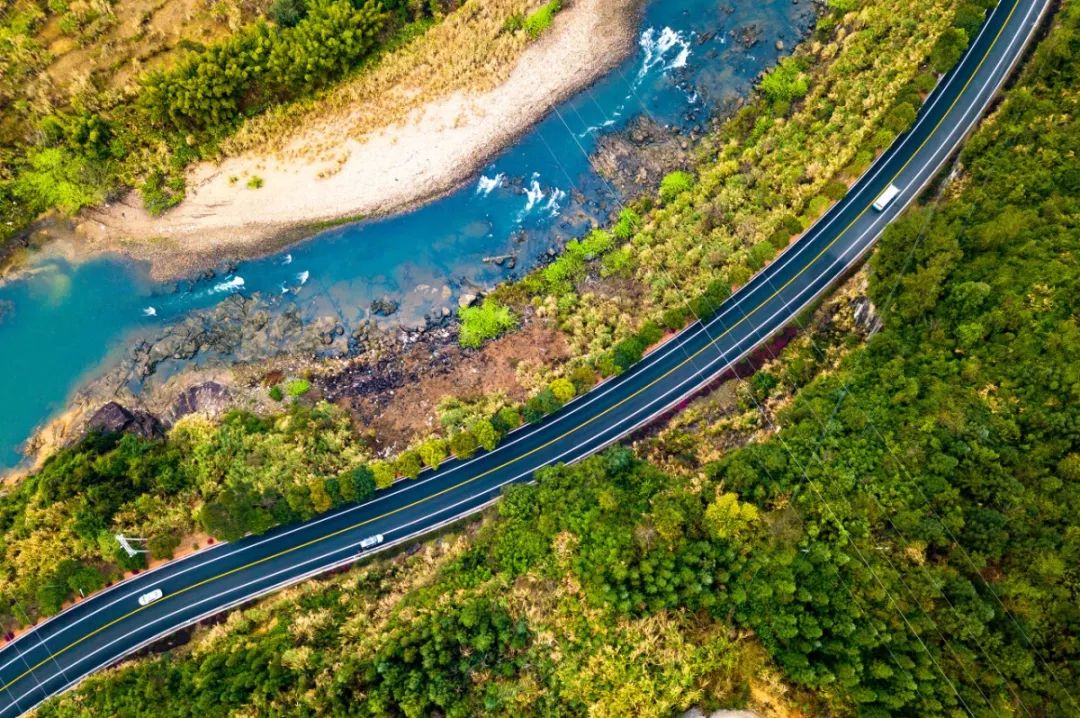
(562,436)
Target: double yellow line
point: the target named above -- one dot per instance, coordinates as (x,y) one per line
(562,436)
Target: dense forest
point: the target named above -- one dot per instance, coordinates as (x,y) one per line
(904,540)
(611,293)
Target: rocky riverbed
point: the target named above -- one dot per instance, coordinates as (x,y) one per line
(365,358)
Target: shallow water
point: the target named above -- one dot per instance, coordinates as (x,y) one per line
(60,326)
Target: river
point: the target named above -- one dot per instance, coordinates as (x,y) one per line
(62,324)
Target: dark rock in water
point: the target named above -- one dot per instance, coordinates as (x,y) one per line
(208,397)
(748,36)
(635,161)
(384,306)
(112,418)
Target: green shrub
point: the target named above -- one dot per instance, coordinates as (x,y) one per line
(786,82)
(487,436)
(433,452)
(900,118)
(276,393)
(540,405)
(408,464)
(541,18)
(675,318)
(297,387)
(835,190)
(464,444)
(383,473)
(255,182)
(626,225)
(163,545)
(563,389)
(650,333)
(583,378)
(948,50)
(506,419)
(842,6)
(628,352)
(358,485)
(287,13)
(711,300)
(53,177)
(674,184)
(489,320)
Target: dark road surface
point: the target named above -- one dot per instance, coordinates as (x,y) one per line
(102,629)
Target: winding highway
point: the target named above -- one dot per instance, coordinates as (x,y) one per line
(99,631)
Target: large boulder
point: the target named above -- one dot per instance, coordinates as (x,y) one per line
(112,418)
(206,398)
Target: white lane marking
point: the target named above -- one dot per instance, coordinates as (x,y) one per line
(683,335)
(934,154)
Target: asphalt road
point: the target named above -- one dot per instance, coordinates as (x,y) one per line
(102,629)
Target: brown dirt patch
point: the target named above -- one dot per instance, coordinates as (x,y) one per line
(397,416)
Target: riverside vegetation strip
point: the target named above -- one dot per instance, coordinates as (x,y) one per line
(904,542)
(74,140)
(247,473)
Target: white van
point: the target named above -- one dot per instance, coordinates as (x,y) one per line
(370,541)
(886,198)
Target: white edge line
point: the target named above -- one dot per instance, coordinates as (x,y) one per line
(592,395)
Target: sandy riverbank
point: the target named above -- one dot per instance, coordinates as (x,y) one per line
(437,147)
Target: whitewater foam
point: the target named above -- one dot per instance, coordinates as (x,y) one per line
(534,194)
(485,185)
(149,312)
(657,48)
(230,285)
(552,206)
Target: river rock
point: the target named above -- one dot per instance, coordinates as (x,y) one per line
(635,161)
(467,299)
(112,418)
(384,306)
(866,316)
(206,398)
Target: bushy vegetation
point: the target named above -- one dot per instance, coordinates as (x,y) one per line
(819,119)
(540,19)
(234,498)
(495,627)
(66,151)
(905,544)
(242,474)
(487,321)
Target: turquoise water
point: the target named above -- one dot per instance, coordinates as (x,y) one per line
(64,323)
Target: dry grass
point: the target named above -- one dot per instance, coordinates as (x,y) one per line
(127,38)
(469,51)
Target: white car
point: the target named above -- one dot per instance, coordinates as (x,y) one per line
(149,597)
(370,541)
